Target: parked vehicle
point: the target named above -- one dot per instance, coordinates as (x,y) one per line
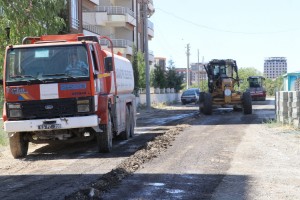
(45,103)
(190,96)
(256,88)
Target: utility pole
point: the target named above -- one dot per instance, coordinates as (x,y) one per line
(188,66)
(198,70)
(146,51)
(203,75)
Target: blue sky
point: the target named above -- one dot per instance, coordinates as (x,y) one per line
(244,30)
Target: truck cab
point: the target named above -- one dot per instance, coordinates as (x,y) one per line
(66,88)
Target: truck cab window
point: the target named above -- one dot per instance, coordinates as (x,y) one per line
(108,64)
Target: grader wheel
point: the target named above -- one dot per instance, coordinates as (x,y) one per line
(207,104)
(247,103)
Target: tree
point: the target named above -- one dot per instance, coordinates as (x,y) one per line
(173,80)
(139,70)
(244,73)
(272,86)
(30,18)
(158,78)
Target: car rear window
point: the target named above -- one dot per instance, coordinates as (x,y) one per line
(189,92)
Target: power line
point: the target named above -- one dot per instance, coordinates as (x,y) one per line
(223,30)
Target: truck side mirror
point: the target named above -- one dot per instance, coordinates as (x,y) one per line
(1,81)
(108,64)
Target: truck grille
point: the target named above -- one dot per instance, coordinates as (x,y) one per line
(51,108)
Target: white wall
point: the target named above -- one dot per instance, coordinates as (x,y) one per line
(158,98)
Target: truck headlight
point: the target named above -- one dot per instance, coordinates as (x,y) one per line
(83,105)
(14,110)
(15,113)
(227,92)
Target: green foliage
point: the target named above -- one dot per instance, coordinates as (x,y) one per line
(203,86)
(273,85)
(173,80)
(142,69)
(3,136)
(158,78)
(29,18)
(139,70)
(244,73)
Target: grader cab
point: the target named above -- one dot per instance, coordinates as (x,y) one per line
(223,86)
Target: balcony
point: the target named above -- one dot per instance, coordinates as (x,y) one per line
(150,29)
(151,9)
(122,46)
(151,57)
(95,2)
(115,16)
(92,29)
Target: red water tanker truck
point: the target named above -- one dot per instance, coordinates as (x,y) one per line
(66,88)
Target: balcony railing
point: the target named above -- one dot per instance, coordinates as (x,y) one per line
(75,23)
(113,10)
(121,43)
(150,25)
(92,28)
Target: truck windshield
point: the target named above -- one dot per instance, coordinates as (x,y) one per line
(50,62)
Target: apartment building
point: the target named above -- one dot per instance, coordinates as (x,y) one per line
(275,67)
(120,20)
(160,61)
(197,73)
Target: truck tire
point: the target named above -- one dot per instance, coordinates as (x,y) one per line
(132,121)
(18,145)
(126,134)
(247,103)
(104,139)
(207,104)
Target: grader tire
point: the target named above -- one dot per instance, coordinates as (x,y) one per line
(104,139)
(247,103)
(207,104)
(18,145)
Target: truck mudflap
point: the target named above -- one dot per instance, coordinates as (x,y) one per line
(51,124)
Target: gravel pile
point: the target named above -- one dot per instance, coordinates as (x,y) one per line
(151,150)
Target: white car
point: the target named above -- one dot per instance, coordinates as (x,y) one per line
(190,96)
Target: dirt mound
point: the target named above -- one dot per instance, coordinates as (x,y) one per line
(151,150)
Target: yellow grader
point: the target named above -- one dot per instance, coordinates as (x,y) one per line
(223,86)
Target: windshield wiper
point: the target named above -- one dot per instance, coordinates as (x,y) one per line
(26,76)
(21,76)
(60,74)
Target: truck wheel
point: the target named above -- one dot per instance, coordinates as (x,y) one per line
(132,121)
(207,104)
(104,139)
(18,145)
(247,103)
(126,134)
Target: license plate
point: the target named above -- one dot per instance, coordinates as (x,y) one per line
(49,126)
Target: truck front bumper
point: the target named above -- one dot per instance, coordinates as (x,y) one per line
(51,124)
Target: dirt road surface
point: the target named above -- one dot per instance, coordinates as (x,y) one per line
(56,171)
(227,155)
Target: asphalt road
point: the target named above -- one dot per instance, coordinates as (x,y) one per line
(227,155)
